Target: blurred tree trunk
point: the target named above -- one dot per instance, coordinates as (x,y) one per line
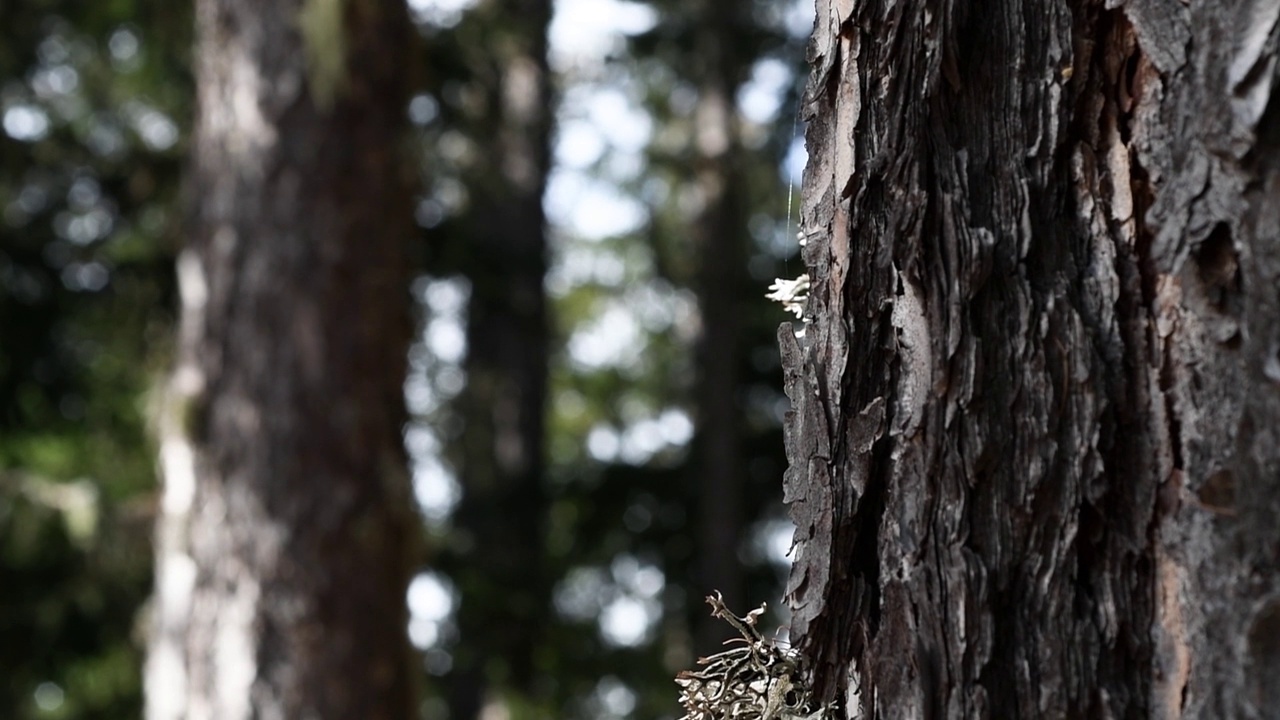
(288,528)
(1035,446)
(500,551)
(718,66)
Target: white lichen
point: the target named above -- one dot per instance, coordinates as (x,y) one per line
(793,294)
(758,680)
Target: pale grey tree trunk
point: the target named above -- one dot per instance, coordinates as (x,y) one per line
(286,536)
(1035,447)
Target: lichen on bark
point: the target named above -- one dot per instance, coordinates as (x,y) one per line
(324,41)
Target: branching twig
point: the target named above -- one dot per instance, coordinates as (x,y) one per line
(756,680)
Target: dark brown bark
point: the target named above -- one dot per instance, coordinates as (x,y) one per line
(501,559)
(288,530)
(1034,451)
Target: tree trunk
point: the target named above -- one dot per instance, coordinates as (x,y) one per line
(500,561)
(720,239)
(287,530)
(1035,446)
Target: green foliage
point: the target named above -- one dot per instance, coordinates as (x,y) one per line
(614,517)
(68,608)
(92,95)
(88,218)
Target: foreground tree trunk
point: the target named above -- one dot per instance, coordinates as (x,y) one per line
(284,546)
(1035,446)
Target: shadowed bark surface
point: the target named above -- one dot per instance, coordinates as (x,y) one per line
(1034,453)
(288,528)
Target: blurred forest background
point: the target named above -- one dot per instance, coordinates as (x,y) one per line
(615,278)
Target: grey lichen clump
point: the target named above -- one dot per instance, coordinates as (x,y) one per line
(757,680)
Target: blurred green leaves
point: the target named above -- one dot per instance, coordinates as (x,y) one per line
(94,103)
(92,100)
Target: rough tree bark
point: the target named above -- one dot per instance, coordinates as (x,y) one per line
(284,548)
(1035,446)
